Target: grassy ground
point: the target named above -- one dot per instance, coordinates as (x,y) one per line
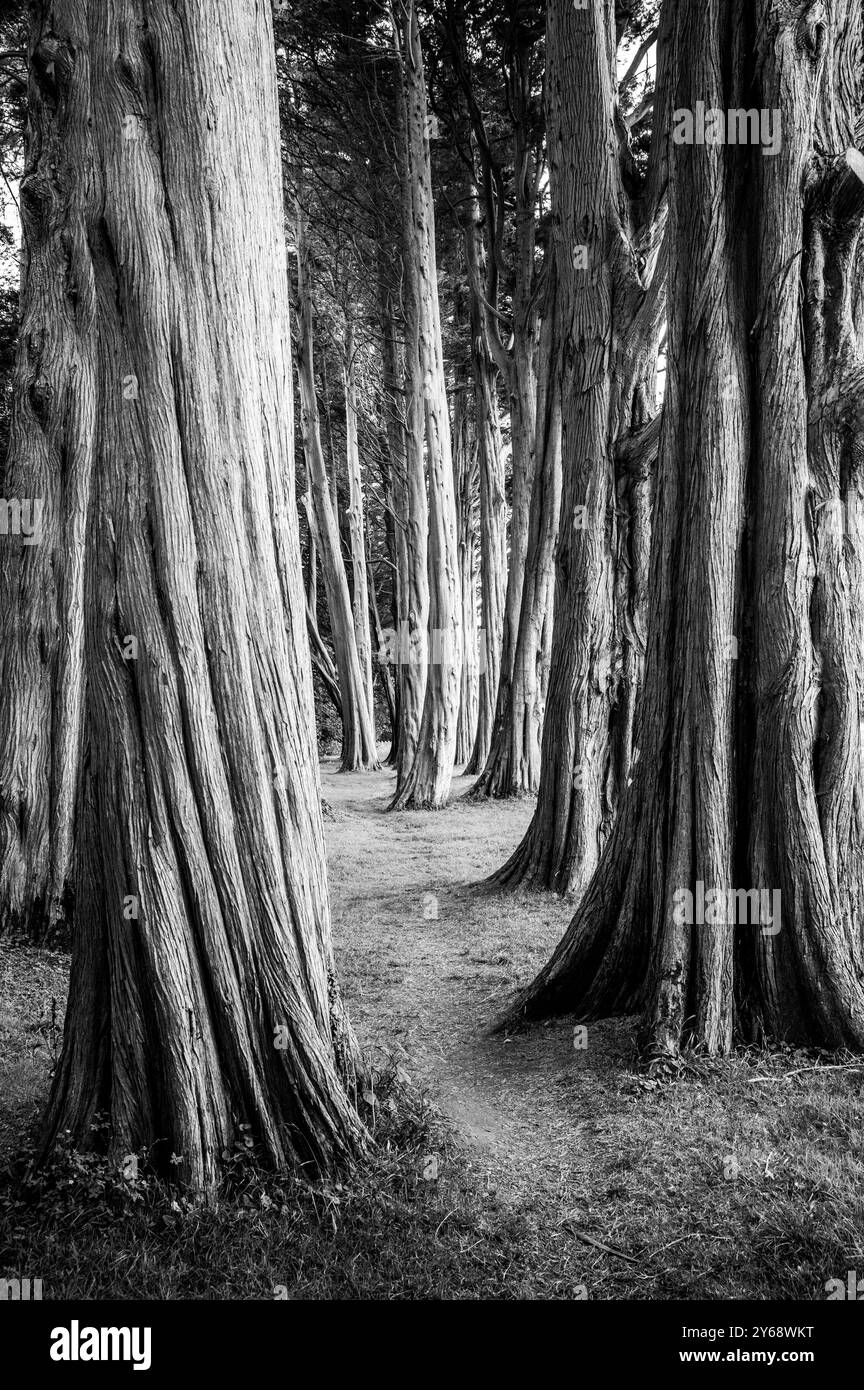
(562,1172)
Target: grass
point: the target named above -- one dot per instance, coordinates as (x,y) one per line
(788,1218)
(397,1227)
(560,1172)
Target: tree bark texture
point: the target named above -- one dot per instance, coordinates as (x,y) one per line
(202,994)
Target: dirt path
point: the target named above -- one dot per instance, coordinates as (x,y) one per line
(625,1177)
(428,962)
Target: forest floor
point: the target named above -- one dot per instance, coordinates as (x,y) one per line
(734,1179)
(505,1166)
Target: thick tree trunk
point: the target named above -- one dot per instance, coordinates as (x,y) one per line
(357,526)
(202,994)
(750,743)
(359,751)
(807,599)
(48,474)
(427,783)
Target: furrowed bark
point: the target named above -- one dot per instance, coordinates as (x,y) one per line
(49,471)
(427,783)
(203,936)
(806,833)
(749,727)
(610,323)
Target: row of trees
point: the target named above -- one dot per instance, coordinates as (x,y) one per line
(490,234)
(420,147)
(700,717)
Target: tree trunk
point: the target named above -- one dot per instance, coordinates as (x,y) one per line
(359,751)
(749,735)
(384,668)
(328,439)
(322,660)
(48,474)
(514,352)
(427,783)
(807,602)
(357,524)
(493,503)
(513,766)
(202,994)
(312,581)
(520,370)
(610,325)
(465,467)
(410,504)
(394,479)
